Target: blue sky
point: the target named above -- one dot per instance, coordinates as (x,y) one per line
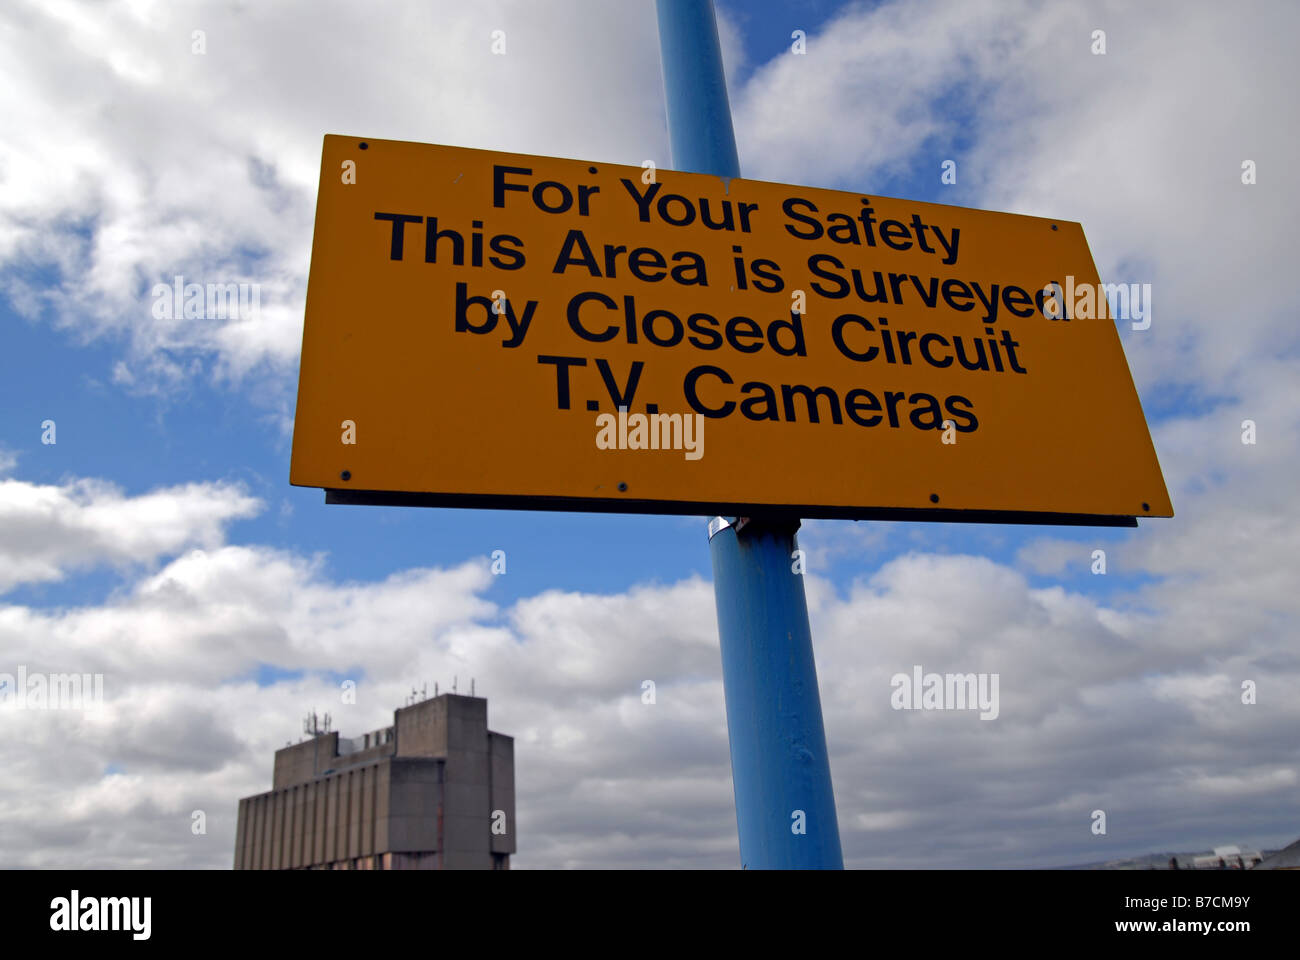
(142,161)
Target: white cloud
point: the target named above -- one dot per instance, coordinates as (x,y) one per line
(606,780)
(862,101)
(48,530)
(127,159)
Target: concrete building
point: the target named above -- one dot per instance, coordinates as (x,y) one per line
(435,791)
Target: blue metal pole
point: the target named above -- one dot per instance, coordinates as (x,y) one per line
(780,771)
(699,115)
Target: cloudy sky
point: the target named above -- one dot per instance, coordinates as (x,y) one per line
(159,543)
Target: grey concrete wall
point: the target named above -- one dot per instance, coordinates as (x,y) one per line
(354,813)
(421,729)
(466,820)
(241,833)
(301,762)
(466,723)
(501,770)
(427,796)
(415,801)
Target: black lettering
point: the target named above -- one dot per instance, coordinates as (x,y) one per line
(891,405)
(924,345)
(1019,296)
(981,363)
(893,232)
(400,220)
(931,407)
(464,302)
(714,338)
(774,283)
(1010,346)
(795,326)
(787,209)
(841,285)
(648,325)
(642,200)
(642,257)
(516,256)
(499,185)
(431,237)
(845,229)
(611,258)
(904,337)
(880,295)
(688,210)
(969,418)
(574,238)
(837,335)
(575,324)
(562,365)
(990,301)
(962,292)
(539,196)
(621,398)
(692,273)
(810,395)
(692,377)
(930,297)
(726,224)
(767,399)
(750,329)
(854,404)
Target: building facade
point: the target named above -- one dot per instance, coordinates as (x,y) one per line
(435,791)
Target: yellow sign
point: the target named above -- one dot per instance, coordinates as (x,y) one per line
(494,329)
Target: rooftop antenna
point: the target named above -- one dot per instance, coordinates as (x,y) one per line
(453,683)
(471,686)
(424,691)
